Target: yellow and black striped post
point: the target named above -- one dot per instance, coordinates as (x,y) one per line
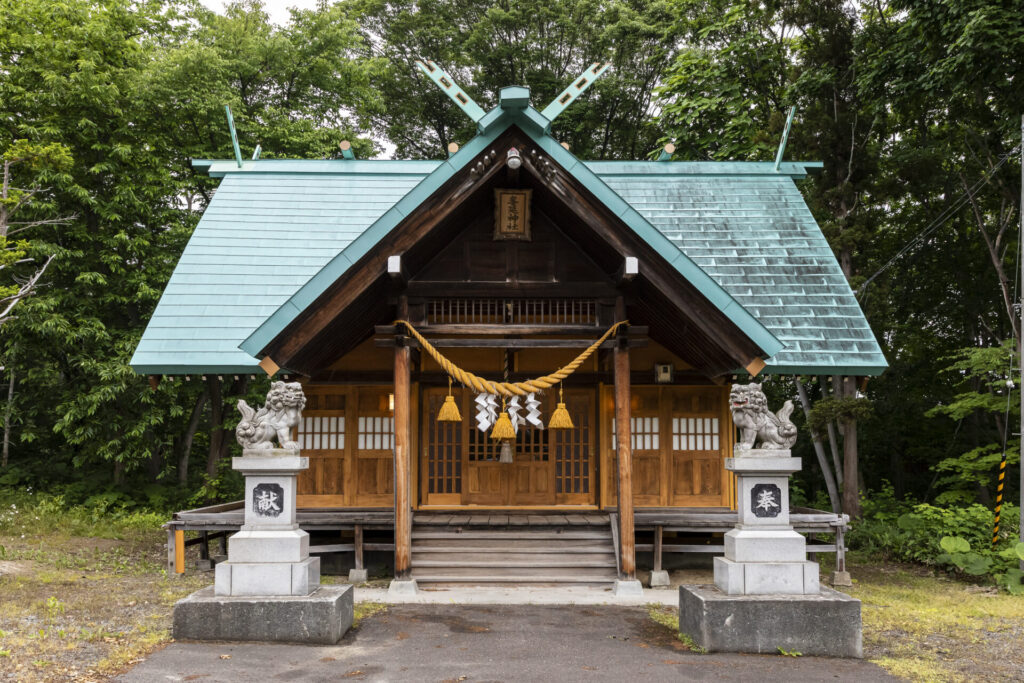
(999,498)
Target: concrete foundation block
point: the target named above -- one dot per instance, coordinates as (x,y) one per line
(758,545)
(765,578)
(659,578)
(404,587)
(267,578)
(825,624)
(320,618)
(841,579)
(358,575)
(286,545)
(628,589)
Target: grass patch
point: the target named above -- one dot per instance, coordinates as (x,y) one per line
(361,610)
(669,618)
(927,627)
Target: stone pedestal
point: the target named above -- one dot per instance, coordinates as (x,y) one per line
(270,554)
(763,555)
(321,618)
(826,623)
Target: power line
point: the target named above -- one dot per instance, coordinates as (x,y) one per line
(940,220)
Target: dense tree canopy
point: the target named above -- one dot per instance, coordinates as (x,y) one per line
(914,107)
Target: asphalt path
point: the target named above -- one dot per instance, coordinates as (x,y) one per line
(491,643)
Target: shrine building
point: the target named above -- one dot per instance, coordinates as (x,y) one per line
(398,292)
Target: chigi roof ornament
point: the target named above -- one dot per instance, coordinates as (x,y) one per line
(515,97)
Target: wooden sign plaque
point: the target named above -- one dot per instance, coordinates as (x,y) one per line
(512,214)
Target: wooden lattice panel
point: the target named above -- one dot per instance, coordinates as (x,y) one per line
(443,451)
(573,449)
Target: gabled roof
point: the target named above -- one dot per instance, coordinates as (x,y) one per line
(278,233)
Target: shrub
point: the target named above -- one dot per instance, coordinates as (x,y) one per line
(954,539)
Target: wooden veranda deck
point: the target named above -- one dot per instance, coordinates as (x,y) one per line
(659,530)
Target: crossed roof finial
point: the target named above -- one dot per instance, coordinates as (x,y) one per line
(475,113)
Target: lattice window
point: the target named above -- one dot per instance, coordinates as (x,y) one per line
(513,311)
(376,433)
(572,451)
(322,432)
(444,461)
(644,433)
(695,434)
(529,446)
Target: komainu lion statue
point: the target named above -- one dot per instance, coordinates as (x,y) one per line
(750,413)
(281,413)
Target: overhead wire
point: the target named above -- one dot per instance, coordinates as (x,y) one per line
(941,219)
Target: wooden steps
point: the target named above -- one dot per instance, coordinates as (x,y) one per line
(512,555)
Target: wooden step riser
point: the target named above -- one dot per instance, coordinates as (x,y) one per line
(525,562)
(513,534)
(515,574)
(570,554)
(503,544)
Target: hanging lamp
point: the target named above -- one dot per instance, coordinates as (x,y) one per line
(560,418)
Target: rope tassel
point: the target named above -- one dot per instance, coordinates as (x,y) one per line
(503,428)
(449,411)
(560,419)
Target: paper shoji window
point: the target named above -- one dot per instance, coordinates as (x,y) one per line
(644,433)
(695,433)
(376,433)
(322,433)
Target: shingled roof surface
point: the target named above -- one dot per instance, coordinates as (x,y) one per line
(273,225)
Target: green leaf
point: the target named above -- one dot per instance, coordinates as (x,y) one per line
(954,544)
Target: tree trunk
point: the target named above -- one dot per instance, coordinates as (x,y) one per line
(819,451)
(185,443)
(8,411)
(216,421)
(851,498)
(833,440)
(118,473)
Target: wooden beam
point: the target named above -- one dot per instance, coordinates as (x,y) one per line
(657,548)
(403,497)
(358,541)
(492,343)
(623,443)
(346,149)
(507,330)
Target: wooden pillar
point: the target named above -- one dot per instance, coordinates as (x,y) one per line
(357,545)
(624,452)
(657,548)
(403,498)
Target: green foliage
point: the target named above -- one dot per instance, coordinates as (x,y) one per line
(542,44)
(953,539)
(837,410)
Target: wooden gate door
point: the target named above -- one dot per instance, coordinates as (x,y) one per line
(374,474)
(461,464)
(699,446)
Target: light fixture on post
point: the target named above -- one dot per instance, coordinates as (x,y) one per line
(513,159)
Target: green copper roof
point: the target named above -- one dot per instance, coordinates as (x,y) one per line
(278,232)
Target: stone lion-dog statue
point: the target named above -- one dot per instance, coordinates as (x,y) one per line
(281,413)
(750,414)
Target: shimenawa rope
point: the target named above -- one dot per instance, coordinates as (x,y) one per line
(482,385)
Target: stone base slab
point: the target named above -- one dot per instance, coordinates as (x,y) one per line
(403,587)
(321,618)
(630,588)
(279,545)
(659,578)
(267,578)
(825,624)
(759,545)
(766,578)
